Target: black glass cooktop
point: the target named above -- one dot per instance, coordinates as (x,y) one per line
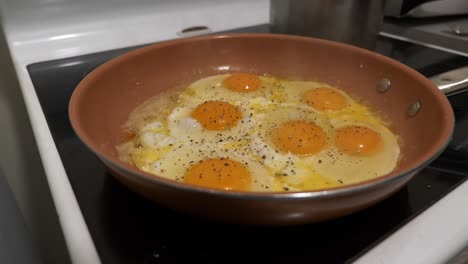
(129,229)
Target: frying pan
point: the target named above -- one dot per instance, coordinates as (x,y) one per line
(418,111)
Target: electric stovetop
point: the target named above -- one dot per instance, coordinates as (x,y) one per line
(126,228)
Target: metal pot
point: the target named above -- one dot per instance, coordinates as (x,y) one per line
(355,22)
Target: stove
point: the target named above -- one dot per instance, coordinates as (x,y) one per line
(54,43)
(126,228)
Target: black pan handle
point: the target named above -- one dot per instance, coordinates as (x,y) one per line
(452,82)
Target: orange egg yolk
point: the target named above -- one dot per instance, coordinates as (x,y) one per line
(299,137)
(217,115)
(357,140)
(219,173)
(242,82)
(324,98)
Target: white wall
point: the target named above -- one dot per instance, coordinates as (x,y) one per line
(20,162)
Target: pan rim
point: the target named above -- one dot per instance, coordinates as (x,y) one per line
(327,193)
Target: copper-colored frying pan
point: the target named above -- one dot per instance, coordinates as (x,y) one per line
(420,113)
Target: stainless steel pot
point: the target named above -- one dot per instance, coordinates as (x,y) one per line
(355,22)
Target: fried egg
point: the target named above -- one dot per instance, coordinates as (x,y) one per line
(211,166)
(216,123)
(359,151)
(235,88)
(285,137)
(318,96)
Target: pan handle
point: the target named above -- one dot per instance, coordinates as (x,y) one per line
(452,82)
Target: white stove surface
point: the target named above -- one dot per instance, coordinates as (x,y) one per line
(40,30)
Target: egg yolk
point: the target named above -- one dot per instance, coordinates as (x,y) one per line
(299,137)
(217,115)
(357,140)
(242,82)
(324,98)
(219,173)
